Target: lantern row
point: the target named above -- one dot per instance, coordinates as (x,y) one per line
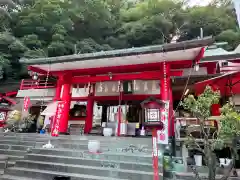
(132,86)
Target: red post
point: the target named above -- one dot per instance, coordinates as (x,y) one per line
(166,95)
(89,118)
(119,120)
(155,155)
(90,106)
(58,89)
(66,98)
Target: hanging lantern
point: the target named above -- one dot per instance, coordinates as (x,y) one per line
(119,86)
(134,85)
(154,86)
(129,87)
(137,87)
(114,88)
(145,86)
(106,88)
(100,89)
(78,88)
(91,88)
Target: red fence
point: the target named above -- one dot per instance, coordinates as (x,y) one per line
(36,84)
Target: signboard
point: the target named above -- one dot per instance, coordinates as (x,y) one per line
(237,9)
(57,118)
(155,155)
(26,103)
(162,135)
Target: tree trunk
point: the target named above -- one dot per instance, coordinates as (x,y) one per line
(211,166)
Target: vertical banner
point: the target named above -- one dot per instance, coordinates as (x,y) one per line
(155,155)
(162,134)
(26,103)
(237,9)
(57,118)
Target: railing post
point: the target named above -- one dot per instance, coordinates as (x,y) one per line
(21,85)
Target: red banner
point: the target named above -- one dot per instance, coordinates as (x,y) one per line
(57,118)
(155,155)
(26,103)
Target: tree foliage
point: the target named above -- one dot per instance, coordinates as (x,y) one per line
(36,28)
(226,135)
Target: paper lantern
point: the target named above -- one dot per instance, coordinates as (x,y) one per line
(154,86)
(145,86)
(106,88)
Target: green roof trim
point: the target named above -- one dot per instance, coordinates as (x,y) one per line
(122,52)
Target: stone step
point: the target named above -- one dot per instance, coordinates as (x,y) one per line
(87,170)
(90,162)
(127,157)
(7,177)
(22,173)
(9,164)
(18,142)
(121,140)
(13,152)
(14,147)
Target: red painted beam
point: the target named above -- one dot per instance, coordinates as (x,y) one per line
(125,97)
(124,77)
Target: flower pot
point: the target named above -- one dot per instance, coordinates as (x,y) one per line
(198,160)
(107,132)
(93,146)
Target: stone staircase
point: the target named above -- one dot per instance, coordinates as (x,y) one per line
(70,157)
(27,160)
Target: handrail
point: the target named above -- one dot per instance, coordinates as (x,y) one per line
(36,84)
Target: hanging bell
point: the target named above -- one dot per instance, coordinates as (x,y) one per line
(154,86)
(145,86)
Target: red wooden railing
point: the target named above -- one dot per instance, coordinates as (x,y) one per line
(36,84)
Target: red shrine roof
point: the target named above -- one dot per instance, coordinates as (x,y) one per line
(182,51)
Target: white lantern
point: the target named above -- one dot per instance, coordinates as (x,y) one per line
(106,88)
(145,86)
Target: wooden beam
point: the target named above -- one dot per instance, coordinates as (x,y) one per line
(156,75)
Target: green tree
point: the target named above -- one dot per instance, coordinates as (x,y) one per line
(200,107)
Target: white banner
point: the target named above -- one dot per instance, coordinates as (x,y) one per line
(237,9)
(162,135)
